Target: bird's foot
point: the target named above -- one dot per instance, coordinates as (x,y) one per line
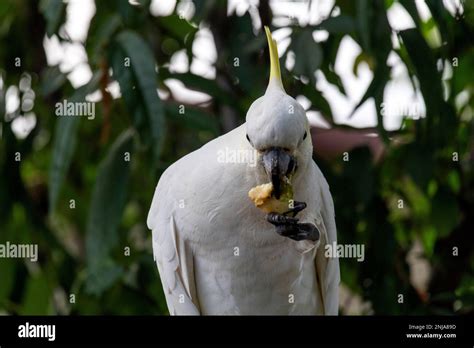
(287,226)
(297,207)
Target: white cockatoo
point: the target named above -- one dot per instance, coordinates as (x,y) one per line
(216,252)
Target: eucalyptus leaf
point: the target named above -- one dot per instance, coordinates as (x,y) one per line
(54,12)
(309,54)
(105,214)
(139,58)
(65,141)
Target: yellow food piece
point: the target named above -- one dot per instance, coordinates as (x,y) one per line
(261,196)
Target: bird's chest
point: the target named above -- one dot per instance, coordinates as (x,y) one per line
(246,275)
(242,266)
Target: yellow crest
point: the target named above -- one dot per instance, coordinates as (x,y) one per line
(275,72)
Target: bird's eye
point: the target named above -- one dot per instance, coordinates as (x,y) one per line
(305,134)
(247,136)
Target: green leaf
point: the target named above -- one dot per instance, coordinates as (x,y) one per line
(442,18)
(38,296)
(51,80)
(101,32)
(358,174)
(64,143)
(143,77)
(309,54)
(375,90)
(428,239)
(54,12)
(418,201)
(202,84)
(333,78)
(102,275)
(424,64)
(130,94)
(177,27)
(318,102)
(454,181)
(180,29)
(465,291)
(193,118)
(202,9)
(418,162)
(7,270)
(402,53)
(241,56)
(363,23)
(373,27)
(362,57)
(105,214)
(337,25)
(411,8)
(444,212)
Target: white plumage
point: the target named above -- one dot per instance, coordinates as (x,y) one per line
(215,251)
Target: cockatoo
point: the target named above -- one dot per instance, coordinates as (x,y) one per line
(216,252)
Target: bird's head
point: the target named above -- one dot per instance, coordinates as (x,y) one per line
(277,127)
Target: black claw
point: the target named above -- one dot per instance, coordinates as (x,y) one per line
(297,207)
(287,226)
(287,230)
(308,231)
(278,219)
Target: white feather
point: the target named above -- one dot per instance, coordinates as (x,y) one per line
(195,245)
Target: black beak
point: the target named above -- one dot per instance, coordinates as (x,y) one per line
(278,163)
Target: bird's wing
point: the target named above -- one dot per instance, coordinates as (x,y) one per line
(327,269)
(174,259)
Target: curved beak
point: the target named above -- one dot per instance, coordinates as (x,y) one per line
(278,163)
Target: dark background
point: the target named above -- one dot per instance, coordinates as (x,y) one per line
(408,251)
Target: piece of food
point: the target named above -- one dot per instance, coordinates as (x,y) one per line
(262,197)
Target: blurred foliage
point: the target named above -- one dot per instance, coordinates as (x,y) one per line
(428,163)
